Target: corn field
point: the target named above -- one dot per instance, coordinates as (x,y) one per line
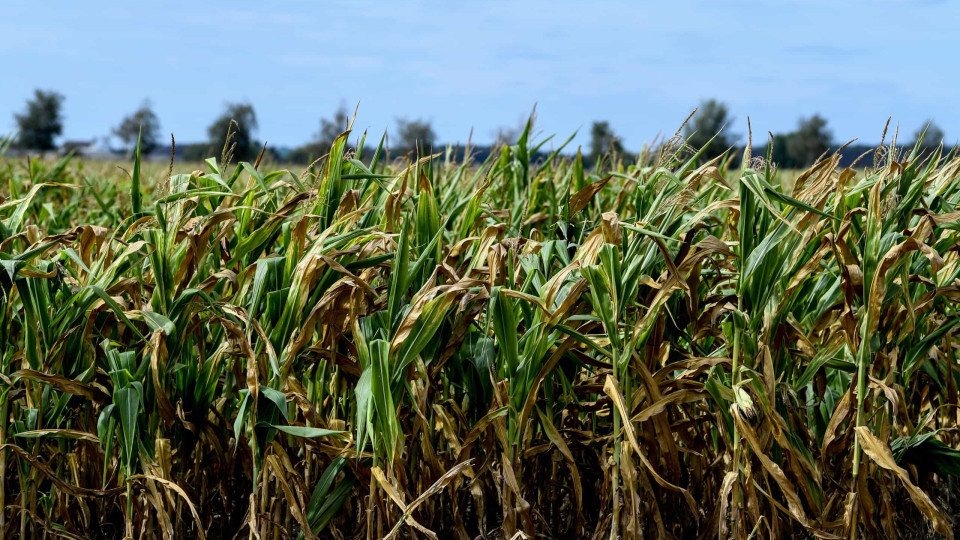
(441,348)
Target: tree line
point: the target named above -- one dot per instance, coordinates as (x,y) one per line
(708,129)
(41,123)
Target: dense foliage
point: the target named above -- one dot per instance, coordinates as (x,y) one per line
(142,127)
(41,122)
(453,349)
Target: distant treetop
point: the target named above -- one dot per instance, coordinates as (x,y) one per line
(414,134)
(603,140)
(710,121)
(42,121)
(245,147)
(143,124)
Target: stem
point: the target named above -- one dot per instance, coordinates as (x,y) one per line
(735,378)
(371,502)
(254,520)
(864,352)
(863,356)
(129,525)
(25,487)
(3,462)
(617,442)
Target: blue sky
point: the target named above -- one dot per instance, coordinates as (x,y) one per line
(641,65)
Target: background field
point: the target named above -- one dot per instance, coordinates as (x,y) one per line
(433,347)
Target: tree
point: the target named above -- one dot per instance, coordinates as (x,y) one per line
(42,122)
(809,141)
(707,122)
(322,141)
(508,134)
(780,155)
(245,120)
(330,129)
(143,124)
(414,134)
(603,140)
(930,136)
